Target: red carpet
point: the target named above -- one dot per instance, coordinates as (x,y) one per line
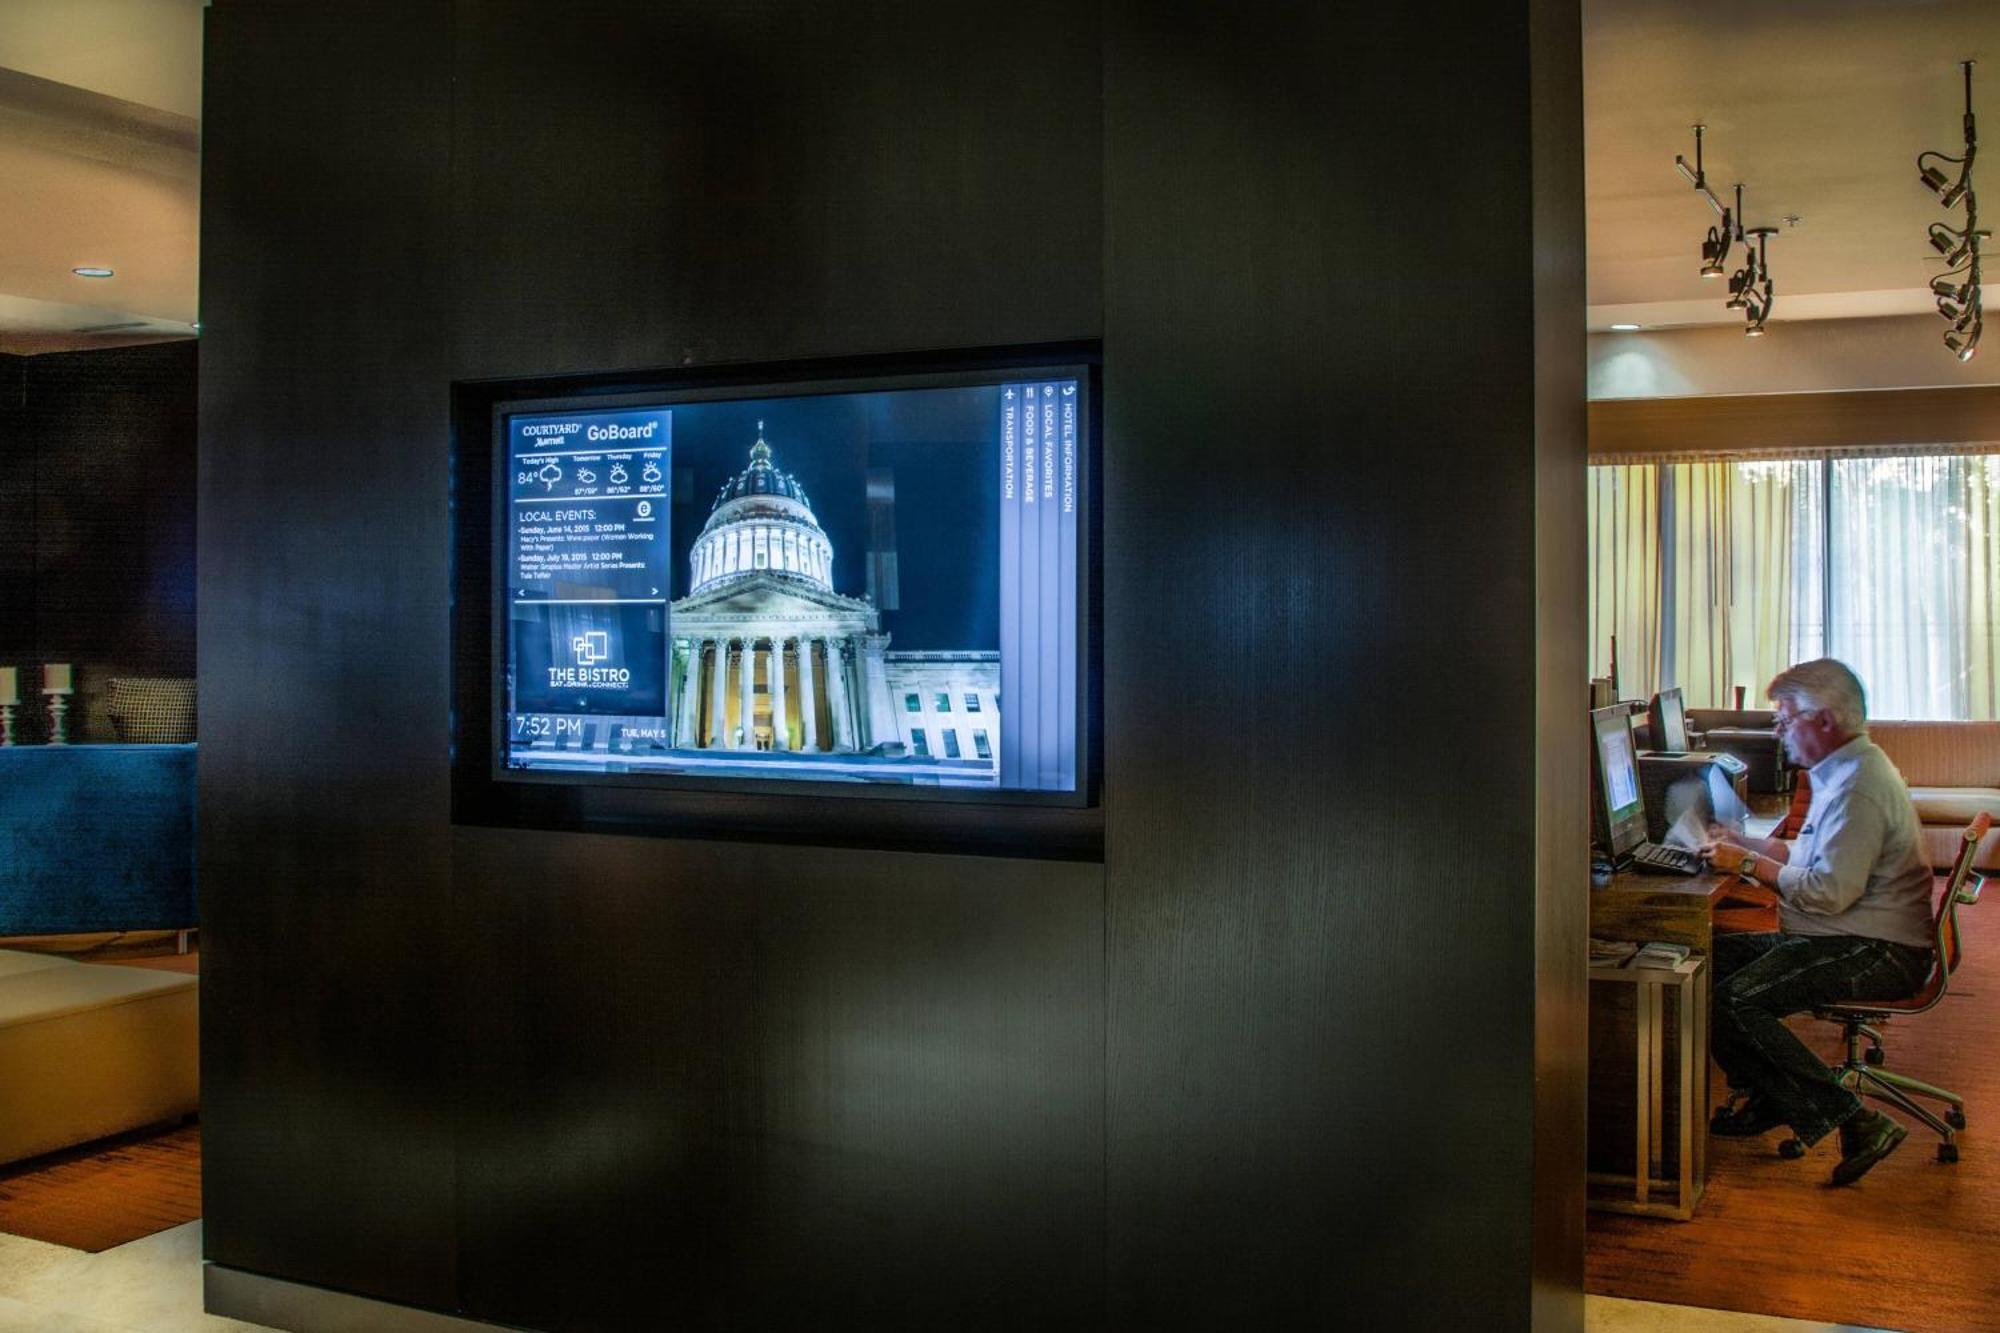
(106,1193)
(1915,1245)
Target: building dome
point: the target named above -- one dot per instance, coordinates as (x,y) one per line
(761,523)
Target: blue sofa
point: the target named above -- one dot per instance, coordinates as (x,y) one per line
(96,838)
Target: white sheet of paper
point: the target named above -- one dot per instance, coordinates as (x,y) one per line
(1688,831)
(1728,808)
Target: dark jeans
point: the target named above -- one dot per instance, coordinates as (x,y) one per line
(1761,978)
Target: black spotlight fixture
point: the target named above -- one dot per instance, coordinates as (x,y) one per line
(1714,249)
(1743,282)
(1958,288)
(1963,345)
(1950,191)
(1759,294)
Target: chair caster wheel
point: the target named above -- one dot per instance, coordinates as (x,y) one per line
(1873,1055)
(1955,1117)
(1791,1150)
(1947,1152)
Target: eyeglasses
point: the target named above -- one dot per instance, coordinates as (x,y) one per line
(1785,721)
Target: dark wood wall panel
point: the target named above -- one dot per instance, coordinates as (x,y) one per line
(830,1084)
(1320,538)
(1803,422)
(114,432)
(327,947)
(1562,782)
(641,184)
(17,516)
(1268,1061)
(97,516)
(791,1089)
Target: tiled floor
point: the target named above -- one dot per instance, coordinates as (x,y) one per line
(149,1286)
(154,1286)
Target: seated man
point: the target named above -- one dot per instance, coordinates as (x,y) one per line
(1855,922)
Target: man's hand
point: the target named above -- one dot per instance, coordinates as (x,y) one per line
(1728,857)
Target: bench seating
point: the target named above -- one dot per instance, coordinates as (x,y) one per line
(88,1050)
(1953,769)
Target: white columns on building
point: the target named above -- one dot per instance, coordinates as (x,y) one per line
(690,695)
(836,689)
(718,709)
(781,731)
(877,705)
(745,736)
(808,699)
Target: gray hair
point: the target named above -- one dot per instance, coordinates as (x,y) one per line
(1823,683)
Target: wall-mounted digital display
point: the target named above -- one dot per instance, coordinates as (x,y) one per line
(798,583)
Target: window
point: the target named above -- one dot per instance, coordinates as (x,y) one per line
(971,702)
(942,701)
(919,742)
(1718,574)
(951,745)
(912,704)
(1913,574)
(981,746)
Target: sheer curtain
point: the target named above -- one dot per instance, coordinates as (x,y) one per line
(1743,538)
(1624,521)
(1776,607)
(1708,572)
(1914,567)
(1696,527)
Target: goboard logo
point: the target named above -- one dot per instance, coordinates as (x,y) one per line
(617,432)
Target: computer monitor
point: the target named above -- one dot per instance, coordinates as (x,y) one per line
(1667,716)
(1621,804)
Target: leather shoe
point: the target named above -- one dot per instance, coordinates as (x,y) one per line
(1747,1121)
(1866,1138)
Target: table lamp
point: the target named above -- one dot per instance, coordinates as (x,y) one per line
(56,688)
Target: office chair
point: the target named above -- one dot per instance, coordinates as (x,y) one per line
(1863,1020)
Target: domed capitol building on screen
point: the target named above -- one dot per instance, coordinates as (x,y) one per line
(769,659)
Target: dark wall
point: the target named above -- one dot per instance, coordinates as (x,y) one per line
(1321,580)
(1274,1057)
(17,515)
(97,521)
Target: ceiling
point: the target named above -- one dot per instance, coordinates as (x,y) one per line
(100,149)
(1818,106)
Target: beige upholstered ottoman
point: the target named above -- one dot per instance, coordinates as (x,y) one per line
(88,1050)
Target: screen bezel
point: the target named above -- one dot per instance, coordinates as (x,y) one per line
(1064,825)
(1669,720)
(1620,836)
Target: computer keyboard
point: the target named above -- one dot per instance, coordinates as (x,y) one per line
(1652,859)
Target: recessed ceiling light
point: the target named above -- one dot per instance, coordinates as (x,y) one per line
(1626,328)
(91,271)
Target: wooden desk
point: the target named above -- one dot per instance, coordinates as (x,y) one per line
(1649,1104)
(1673,909)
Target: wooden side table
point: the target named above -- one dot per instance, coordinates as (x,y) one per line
(1668,1135)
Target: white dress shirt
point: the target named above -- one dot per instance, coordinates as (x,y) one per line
(1858,866)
